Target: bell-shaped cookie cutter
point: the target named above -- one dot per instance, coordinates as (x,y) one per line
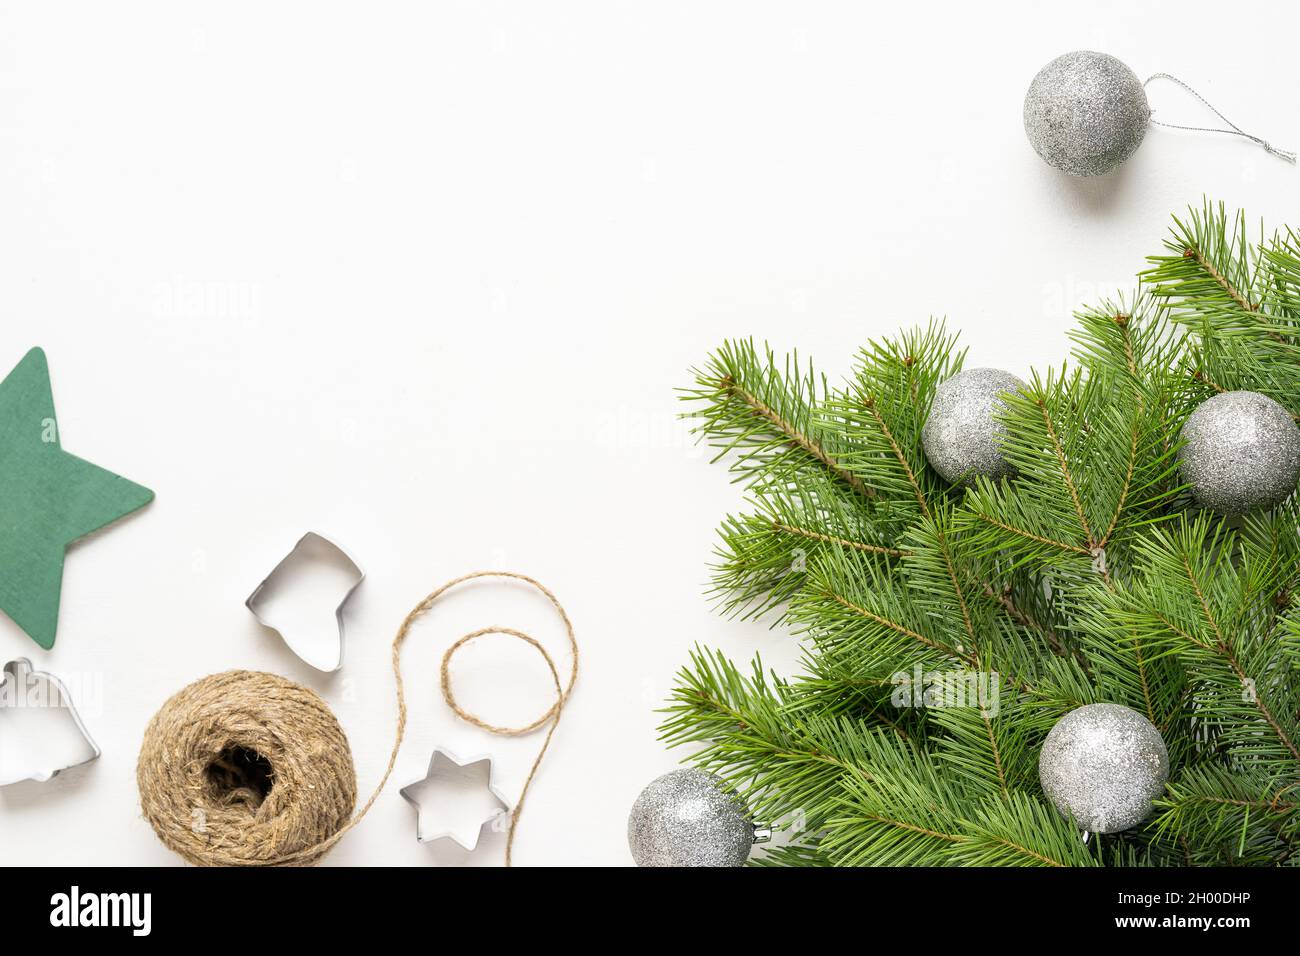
(19,671)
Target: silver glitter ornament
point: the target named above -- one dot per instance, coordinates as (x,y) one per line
(1085,113)
(685,818)
(1241,452)
(961,437)
(1103,764)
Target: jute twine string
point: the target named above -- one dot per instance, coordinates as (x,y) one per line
(198,771)
(197,785)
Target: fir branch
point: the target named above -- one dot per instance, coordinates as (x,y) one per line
(1076,581)
(1220,817)
(898,628)
(793,435)
(765,416)
(1029,535)
(1211,274)
(1198,595)
(1020,831)
(1224,648)
(840,542)
(869,404)
(1191,252)
(1066,477)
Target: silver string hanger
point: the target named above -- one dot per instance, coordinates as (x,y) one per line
(1235,130)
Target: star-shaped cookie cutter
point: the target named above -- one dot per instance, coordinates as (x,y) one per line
(445,767)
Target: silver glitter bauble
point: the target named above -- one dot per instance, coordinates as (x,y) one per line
(685,818)
(1103,764)
(961,438)
(1085,113)
(1242,452)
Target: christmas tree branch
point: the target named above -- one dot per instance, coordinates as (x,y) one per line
(1031,536)
(1191,252)
(1081,579)
(898,628)
(1222,646)
(1065,473)
(794,436)
(841,542)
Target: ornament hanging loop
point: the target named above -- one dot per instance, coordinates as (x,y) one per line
(1235,130)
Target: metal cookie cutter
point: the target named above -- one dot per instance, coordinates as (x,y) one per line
(446,770)
(312,548)
(24,689)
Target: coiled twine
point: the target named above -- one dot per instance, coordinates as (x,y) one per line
(246,768)
(250,769)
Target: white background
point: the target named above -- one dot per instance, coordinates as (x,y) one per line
(424,277)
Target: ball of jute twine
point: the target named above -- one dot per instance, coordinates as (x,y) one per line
(250,769)
(198,778)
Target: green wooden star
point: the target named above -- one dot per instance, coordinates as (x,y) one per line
(48,499)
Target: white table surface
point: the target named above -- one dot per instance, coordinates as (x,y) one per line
(424,278)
